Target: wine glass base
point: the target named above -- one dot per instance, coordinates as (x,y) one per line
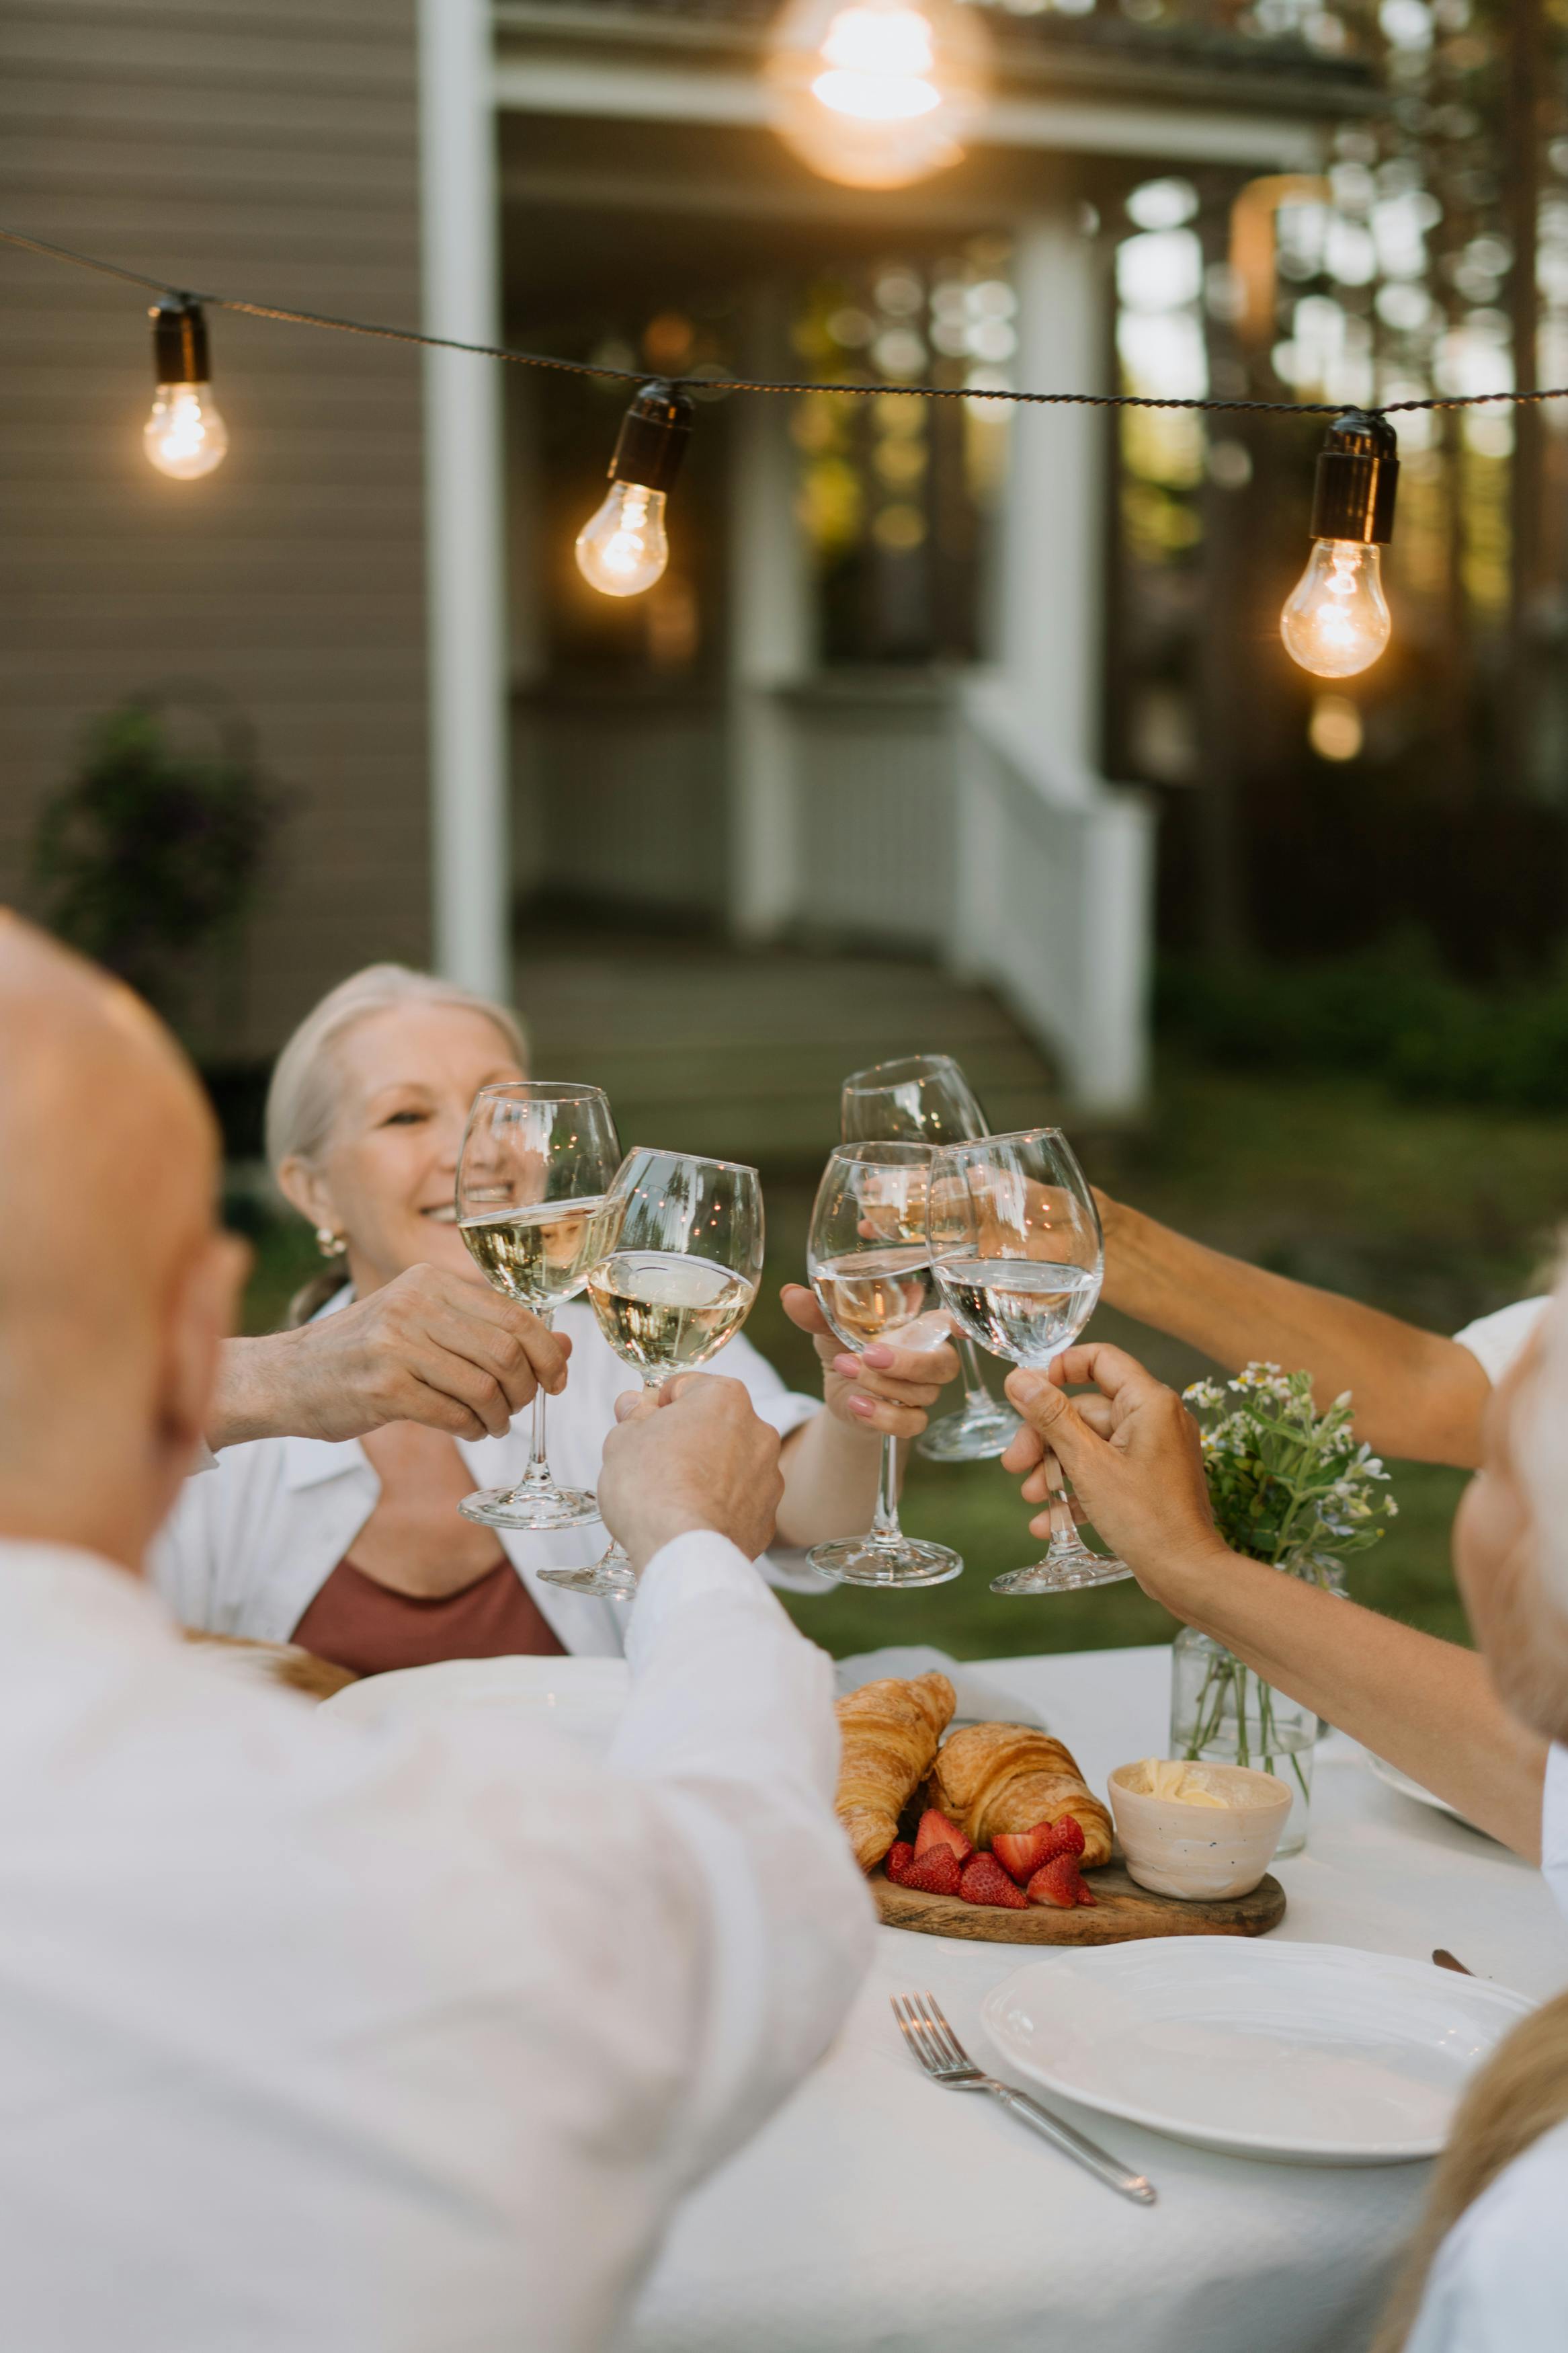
(517,1507)
(976,1433)
(1065,1569)
(906,1561)
(611,1580)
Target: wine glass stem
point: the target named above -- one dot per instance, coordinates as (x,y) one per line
(885,1526)
(974,1387)
(537,1476)
(1064,1527)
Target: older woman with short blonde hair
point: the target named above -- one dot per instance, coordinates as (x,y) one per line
(345,1445)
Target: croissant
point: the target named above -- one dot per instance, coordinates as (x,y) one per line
(1007,1777)
(889,1731)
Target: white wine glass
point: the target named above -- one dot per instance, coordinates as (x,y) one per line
(680,1261)
(869,1257)
(926,1099)
(537,1162)
(1018,1256)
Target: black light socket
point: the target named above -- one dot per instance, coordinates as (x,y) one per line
(653,436)
(1358,473)
(179,342)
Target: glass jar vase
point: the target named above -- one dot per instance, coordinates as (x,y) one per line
(1223,1714)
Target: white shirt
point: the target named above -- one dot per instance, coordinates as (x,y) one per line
(1500,1338)
(1499,2282)
(254,1538)
(315,2039)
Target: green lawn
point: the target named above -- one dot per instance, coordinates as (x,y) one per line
(1436,1215)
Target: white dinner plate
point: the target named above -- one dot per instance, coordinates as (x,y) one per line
(1306,2054)
(1393,1778)
(584,1698)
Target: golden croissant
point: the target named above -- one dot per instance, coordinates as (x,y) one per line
(889,1731)
(1005,1776)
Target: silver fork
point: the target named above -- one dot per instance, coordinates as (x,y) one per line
(945,2060)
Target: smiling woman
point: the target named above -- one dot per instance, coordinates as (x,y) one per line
(347,1445)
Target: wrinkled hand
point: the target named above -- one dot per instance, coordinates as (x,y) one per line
(430,1347)
(886,1387)
(1133,1454)
(691,1454)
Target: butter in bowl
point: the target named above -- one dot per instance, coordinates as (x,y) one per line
(1197,1830)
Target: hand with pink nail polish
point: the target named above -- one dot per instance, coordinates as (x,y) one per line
(885,1390)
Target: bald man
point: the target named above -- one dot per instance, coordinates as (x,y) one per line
(311,2038)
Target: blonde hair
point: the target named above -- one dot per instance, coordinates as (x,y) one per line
(303,1099)
(1521,2096)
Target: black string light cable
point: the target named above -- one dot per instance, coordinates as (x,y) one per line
(1335,623)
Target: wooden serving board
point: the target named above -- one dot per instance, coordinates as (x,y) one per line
(1121,1911)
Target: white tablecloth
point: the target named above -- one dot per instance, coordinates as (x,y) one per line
(877,2211)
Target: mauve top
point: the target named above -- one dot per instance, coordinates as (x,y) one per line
(370,1629)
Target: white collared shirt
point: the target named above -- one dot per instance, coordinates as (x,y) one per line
(253,1539)
(318,2039)
(1499,2282)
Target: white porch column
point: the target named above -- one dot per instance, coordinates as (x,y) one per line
(1055,867)
(463,491)
(1051,584)
(770,631)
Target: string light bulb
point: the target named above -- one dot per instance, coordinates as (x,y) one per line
(623,548)
(185,436)
(877,93)
(1336,619)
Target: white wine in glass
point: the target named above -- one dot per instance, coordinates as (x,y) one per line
(682,1260)
(1019,1257)
(534,1174)
(870,1260)
(926,1099)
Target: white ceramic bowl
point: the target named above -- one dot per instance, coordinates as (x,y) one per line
(1176,1849)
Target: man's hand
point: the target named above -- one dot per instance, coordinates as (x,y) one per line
(439,1349)
(888,1387)
(691,1455)
(1134,1459)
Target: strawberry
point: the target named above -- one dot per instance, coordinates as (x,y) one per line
(1066,1837)
(935,1872)
(1023,1851)
(985,1882)
(1059,1882)
(900,1856)
(935,1829)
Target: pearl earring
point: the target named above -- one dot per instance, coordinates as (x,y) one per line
(329,1244)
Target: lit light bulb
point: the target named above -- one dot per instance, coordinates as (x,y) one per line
(622,549)
(1336,619)
(626,546)
(185,436)
(876,93)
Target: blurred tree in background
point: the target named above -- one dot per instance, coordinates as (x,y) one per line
(1430,258)
(150,858)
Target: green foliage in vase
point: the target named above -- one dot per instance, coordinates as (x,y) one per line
(152,856)
(1288,1485)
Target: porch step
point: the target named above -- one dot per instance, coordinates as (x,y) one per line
(706,1048)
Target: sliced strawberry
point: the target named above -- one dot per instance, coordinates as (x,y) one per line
(935,1829)
(985,1882)
(935,1872)
(1023,1851)
(1059,1882)
(1066,1837)
(900,1856)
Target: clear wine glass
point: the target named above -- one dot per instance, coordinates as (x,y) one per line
(679,1263)
(1018,1256)
(870,1260)
(537,1162)
(926,1099)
